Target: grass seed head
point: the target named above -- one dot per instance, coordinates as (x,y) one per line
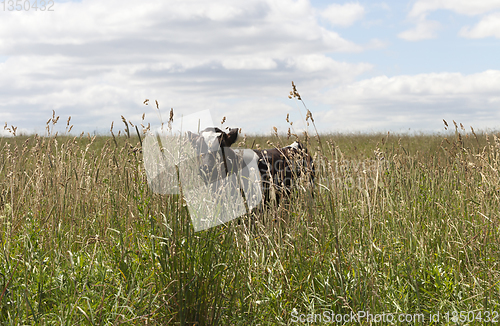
(309,116)
(294,92)
(446,124)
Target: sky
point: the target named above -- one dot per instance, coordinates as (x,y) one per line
(363,66)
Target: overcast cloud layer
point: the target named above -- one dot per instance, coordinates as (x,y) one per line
(359,66)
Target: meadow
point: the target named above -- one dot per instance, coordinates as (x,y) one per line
(396,224)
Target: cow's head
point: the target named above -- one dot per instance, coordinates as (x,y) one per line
(212,148)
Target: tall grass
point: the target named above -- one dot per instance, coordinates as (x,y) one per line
(395,224)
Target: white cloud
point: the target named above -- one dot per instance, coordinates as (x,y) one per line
(98,60)
(213,26)
(425,86)
(5,133)
(343,15)
(418,101)
(424,29)
(249,63)
(464,7)
(340,71)
(488,26)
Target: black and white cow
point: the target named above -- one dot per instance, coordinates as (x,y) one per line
(278,167)
(217,160)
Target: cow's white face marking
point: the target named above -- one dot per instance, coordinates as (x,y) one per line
(210,138)
(295,145)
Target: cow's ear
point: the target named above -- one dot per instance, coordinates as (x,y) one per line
(231,137)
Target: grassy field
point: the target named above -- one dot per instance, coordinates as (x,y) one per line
(398,224)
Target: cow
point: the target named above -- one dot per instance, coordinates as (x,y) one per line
(278,167)
(209,145)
